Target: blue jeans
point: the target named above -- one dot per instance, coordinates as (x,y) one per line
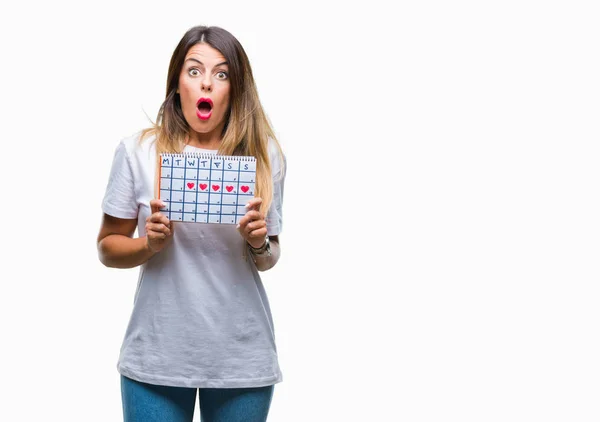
(149,403)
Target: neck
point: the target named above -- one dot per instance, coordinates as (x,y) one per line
(204,140)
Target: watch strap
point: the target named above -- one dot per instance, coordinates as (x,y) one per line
(264,250)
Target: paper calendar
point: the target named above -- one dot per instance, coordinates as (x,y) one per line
(206,188)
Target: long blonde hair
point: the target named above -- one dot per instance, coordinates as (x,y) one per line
(247,129)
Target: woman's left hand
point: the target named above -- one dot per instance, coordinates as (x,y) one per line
(253,226)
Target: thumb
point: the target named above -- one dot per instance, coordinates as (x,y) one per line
(156,205)
(254,204)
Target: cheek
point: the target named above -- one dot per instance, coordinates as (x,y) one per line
(185,91)
(186,88)
(225,98)
(187,98)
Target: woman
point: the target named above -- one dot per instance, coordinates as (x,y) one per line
(201,317)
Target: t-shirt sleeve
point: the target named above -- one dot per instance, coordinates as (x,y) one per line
(120,199)
(275,215)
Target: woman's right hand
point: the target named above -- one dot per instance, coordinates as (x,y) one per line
(158,227)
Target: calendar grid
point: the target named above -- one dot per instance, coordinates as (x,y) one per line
(209,188)
(222,183)
(197,186)
(237,192)
(170,189)
(206,204)
(184,185)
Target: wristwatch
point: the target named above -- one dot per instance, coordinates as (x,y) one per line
(264,250)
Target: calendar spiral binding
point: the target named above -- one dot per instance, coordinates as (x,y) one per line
(206,156)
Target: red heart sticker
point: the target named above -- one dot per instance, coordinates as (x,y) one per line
(215,187)
(190,185)
(229,188)
(245,188)
(203,186)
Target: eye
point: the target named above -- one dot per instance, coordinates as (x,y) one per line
(222,75)
(194,72)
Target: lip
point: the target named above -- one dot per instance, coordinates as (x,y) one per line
(201,99)
(204,116)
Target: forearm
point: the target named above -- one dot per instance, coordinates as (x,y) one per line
(118,251)
(264,263)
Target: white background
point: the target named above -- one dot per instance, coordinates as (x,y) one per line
(441,231)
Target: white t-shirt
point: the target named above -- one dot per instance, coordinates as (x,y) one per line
(201,317)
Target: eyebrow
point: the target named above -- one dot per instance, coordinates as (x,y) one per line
(198,61)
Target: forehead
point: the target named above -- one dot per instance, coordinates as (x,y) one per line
(205,53)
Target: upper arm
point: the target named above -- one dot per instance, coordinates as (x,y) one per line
(274,216)
(119,204)
(113,225)
(120,198)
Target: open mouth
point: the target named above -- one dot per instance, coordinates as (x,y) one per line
(204,108)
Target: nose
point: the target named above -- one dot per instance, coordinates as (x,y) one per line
(206,84)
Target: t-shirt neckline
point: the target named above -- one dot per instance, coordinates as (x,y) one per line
(196,149)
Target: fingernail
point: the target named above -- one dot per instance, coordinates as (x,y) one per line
(237,227)
(247,205)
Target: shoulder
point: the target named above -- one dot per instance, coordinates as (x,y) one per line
(276,157)
(138,150)
(134,144)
